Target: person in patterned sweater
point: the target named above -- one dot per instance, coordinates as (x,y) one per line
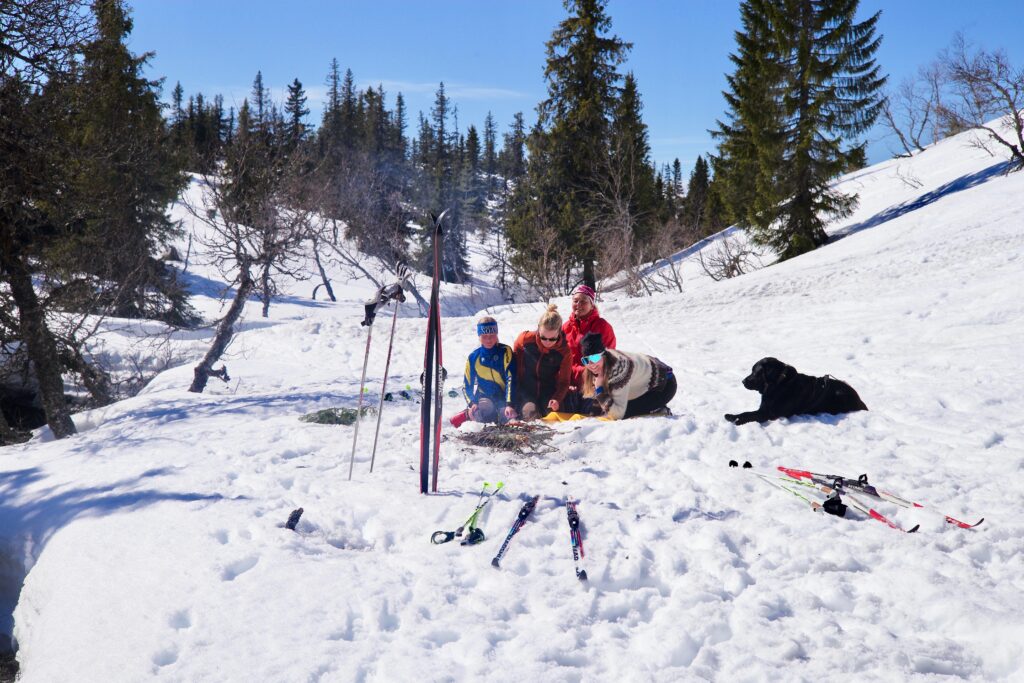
(625,384)
(489,379)
(544,366)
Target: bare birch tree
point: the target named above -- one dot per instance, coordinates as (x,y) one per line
(985,87)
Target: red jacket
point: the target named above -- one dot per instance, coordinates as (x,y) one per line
(543,372)
(575,329)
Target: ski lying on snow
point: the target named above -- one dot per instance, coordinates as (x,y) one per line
(861,485)
(834,497)
(575,538)
(516,526)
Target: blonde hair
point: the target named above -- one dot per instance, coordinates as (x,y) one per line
(485,319)
(551,320)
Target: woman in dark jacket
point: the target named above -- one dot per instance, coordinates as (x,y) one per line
(544,366)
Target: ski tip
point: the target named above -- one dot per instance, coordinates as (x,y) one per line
(913,529)
(495,563)
(582,575)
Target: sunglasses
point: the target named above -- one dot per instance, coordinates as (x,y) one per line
(592,358)
(547,339)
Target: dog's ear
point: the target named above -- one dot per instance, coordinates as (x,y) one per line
(773,370)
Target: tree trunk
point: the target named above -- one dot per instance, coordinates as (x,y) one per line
(323,275)
(41,346)
(589,278)
(265,284)
(225,330)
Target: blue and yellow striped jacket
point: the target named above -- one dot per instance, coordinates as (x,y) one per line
(490,373)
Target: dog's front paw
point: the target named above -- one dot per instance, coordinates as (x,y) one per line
(732,418)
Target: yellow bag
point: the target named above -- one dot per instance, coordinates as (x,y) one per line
(570,417)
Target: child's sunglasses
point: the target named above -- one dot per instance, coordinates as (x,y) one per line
(592,358)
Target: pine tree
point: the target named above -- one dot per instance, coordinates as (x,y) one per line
(474,188)
(490,152)
(260,102)
(125,177)
(569,147)
(831,95)
(444,189)
(348,114)
(295,111)
(694,218)
(749,150)
(806,86)
(512,160)
(629,157)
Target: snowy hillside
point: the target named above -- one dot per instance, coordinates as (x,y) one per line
(152,545)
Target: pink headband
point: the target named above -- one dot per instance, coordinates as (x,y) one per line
(585,291)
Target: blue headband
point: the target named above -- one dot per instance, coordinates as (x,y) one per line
(486,328)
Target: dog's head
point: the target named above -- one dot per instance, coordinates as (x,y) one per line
(766,373)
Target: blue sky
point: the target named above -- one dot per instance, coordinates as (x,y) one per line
(491,55)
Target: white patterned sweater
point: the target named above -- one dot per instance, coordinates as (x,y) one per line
(629,376)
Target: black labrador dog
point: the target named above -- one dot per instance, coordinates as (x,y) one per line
(785,392)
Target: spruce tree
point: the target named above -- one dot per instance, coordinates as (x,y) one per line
(805,88)
(695,219)
(489,162)
(295,113)
(474,188)
(570,145)
(260,102)
(125,177)
(348,113)
(749,149)
(512,160)
(630,164)
(830,98)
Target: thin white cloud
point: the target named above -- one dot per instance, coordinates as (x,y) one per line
(457,91)
(683,141)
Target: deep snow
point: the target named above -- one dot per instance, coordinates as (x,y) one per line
(152,545)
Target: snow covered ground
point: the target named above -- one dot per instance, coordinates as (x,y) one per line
(152,545)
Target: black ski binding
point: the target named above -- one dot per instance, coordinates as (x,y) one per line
(834,505)
(476,535)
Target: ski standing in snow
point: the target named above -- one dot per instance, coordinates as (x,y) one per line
(433,372)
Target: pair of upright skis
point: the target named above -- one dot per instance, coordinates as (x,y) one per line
(433,372)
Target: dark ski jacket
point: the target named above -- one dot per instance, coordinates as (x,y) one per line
(543,372)
(490,373)
(575,329)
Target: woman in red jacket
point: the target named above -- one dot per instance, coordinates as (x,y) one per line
(584,319)
(543,365)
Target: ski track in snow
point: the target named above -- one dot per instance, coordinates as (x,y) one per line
(153,545)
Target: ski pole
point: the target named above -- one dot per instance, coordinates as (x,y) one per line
(383,386)
(359,409)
